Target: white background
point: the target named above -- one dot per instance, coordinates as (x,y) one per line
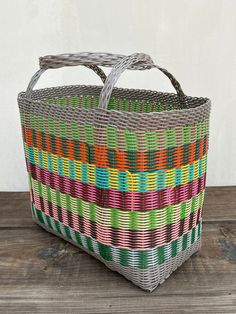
(195,40)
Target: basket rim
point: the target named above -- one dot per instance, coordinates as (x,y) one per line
(205,101)
(199,108)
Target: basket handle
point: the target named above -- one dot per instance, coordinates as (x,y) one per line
(127,63)
(37,75)
(88,59)
(92,58)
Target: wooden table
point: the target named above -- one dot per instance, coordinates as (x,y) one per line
(40,273)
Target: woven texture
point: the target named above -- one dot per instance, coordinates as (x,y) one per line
(120,173)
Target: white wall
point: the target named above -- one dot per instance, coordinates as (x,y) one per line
(194,39)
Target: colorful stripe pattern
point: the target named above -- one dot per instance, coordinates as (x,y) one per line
(132,198)
(102,157)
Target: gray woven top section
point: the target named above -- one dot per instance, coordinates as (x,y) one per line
(198,108)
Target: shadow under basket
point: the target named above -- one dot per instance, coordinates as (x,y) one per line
(120,173)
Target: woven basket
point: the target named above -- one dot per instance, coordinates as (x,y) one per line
(118,172)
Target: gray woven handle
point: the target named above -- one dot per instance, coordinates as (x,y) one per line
(136,61)
(92,58)
(127,63)
(88,59)
(37,75)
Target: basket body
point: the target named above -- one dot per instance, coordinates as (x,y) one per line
(125,184)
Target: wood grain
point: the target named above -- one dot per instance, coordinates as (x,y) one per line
(40,273)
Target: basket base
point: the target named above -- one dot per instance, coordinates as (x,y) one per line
(146,279)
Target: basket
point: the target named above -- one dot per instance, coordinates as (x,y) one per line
(117,172)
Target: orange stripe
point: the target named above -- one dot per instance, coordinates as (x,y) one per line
(121,161)
(191,154)
(101,153)
(141,162)
(83,153)
(48,142)
(161,160)
(28,137)
(178,157)
(70,149)
(101,157)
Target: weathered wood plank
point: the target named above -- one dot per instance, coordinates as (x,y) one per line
(40,273)
(15,212)
(219,205)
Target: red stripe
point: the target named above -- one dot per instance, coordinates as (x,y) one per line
(111,198)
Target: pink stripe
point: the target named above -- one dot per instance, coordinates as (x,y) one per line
(123,238)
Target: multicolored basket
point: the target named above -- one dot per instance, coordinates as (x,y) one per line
(118,172)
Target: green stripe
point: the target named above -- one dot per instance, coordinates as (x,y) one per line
(137,258)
